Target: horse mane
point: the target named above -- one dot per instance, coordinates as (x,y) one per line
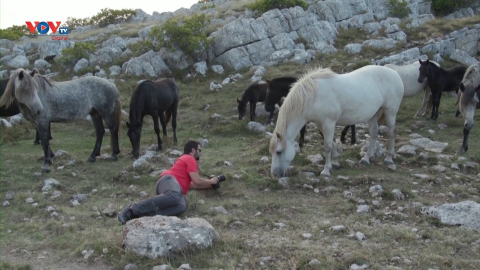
(26,83)
(301,91)
(471,78)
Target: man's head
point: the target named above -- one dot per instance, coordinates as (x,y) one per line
(193,148)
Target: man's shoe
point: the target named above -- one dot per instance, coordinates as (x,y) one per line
(125,215)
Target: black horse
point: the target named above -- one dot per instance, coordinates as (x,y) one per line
(280,87)
(13,109)
(256,92)
(440,80)
(153,98)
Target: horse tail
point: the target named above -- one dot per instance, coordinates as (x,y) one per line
(118,119)
(169,115)
(175,100)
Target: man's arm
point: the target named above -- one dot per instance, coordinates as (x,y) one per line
(201,183)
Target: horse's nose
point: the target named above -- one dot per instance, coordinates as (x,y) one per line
(39,112)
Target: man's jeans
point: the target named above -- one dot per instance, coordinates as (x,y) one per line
(168,202)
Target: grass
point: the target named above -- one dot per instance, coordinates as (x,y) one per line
(438,27)
(388,231)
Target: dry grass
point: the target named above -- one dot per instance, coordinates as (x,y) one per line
(437,28)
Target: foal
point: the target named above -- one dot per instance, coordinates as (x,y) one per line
(440,80)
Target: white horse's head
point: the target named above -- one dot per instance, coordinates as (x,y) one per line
(283,152)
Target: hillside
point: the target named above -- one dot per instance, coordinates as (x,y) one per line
(361,215)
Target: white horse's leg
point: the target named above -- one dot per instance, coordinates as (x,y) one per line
(328,132)
(335,155)
(390,119)
(373,131)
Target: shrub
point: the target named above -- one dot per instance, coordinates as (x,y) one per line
(266,5)
(15,32)
(80,50)
(204,1)
(398,8)
(105,17)
(189,35)
(444,7)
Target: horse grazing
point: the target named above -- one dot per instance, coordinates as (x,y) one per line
(280,87)
(256,92)
(469,101)
(328,99)
(153,98)
(13,109)
(42,101)
(440,80)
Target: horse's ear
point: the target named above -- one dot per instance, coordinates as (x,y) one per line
(269,82)
(278,136)
(33,72)
(20,75)
(462,87)
(428,61)
(238,100)
(420,60)
(128,124)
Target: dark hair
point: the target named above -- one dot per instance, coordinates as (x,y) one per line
(189,145)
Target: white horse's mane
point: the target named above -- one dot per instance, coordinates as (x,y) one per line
(302,90)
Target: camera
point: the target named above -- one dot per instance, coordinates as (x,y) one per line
(221,178)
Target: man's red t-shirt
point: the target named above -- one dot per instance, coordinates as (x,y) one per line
(184,165)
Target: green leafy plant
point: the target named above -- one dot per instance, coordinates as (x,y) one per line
(444,7)
(266,5)
(398,8)
(188,35)
(15,32)
(105,17)
(80,50)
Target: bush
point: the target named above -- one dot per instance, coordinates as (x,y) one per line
(444,7)
(189,35)
(15,32)
(398,8)
(105,17)
(266,5)
(80,50)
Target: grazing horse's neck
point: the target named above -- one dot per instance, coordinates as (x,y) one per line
(294,127)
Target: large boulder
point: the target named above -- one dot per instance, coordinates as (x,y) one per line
(466,214)
(150,64)
(161,235)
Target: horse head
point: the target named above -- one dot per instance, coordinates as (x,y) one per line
(134,134)
(23,87)
(283,152)
(468,103)
(242,108)
(424,70)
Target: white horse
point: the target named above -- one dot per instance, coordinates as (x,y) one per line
(328,99)
(409,74)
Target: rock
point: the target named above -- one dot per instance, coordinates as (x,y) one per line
(110,211)
(455,167)
(363,208)
(338,228)
(227,163)
(264,159)
(6,124)
(80,197)
(160,267)
(219,209)
(392,167)
(283,181)
(10,195)
(130,266)
(105,250)
(55,194)
(5,203)
(429,145)
(29,200)
(360,236)
(316,159)
(466,214)
(314,262)
(407,150)
(49,184)
(203,142)
(376,191)
(185,266)
(218,69)
(439,168)
(215,86)
(398,194)
(201,67)
(176,153)
(74,203)
(358,267)
(353,48)
(255,126)
(422,176)
(157,236)
(463,58)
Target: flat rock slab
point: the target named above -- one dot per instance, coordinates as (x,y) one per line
(429,145)
(466,214)
(161,235)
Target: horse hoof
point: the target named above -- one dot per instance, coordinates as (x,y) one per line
(336,166)
(159,148)
(111,159)
(325,174)
(36,143)
(387,162)
(364,162)
(461,151)
(45,169)
(90,159)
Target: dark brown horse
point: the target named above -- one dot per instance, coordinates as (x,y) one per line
(280,87)
(153,98)
(440,80)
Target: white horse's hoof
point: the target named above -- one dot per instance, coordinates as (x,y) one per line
(335,166)
(364,162)
(325,174)
(388,162)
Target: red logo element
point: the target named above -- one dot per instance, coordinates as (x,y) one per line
(52,26)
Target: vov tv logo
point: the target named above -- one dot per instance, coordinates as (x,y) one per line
(44,27)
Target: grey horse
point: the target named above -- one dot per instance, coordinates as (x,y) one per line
(42,101)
